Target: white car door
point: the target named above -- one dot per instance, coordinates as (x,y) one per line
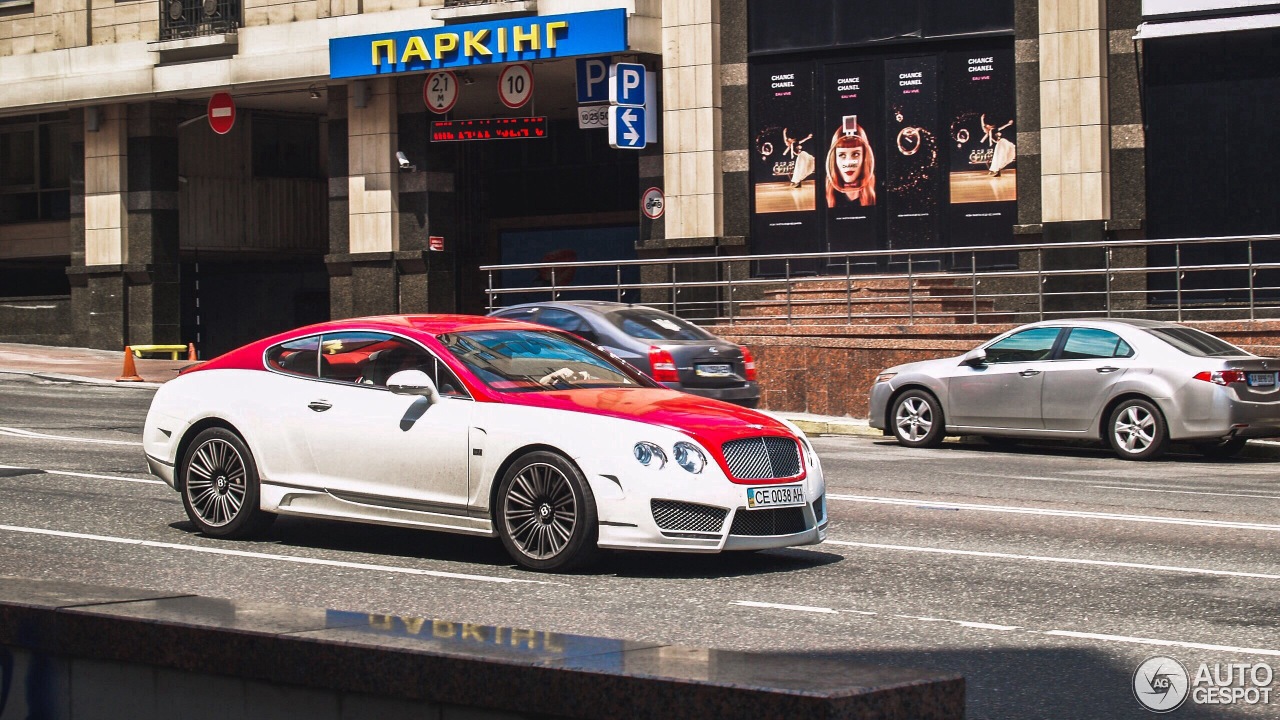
(371,445)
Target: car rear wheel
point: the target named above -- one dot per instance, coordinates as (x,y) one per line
(917,419)
(220,486)
(546,514)
(1223,448)
(1137,430)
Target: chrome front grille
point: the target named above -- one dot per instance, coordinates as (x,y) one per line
(687,517)
(778,521)
(762,457)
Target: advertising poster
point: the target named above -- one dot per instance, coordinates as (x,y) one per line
(784,160)
(913,182)
(982,145)
(851,158)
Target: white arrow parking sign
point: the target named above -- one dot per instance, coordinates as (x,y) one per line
(626,128)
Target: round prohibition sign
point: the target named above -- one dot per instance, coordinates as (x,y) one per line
(515,85)
(440,91)
(652,203)
(221,113)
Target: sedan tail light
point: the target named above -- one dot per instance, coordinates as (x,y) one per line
(1221,377)
(662,365)
(748,364)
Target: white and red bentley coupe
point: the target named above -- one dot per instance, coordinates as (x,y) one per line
(482,426)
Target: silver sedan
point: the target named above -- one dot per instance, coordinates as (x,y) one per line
(1133,384)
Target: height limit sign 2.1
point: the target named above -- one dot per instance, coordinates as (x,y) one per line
(627,111)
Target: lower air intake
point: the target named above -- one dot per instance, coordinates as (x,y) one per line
(687,517)
(779,521)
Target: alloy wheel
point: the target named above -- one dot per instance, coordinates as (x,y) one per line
(216,482)
(914,419)
(1135,429)
(540,511)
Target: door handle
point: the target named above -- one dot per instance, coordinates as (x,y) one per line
(319,405)
(1029,373)
(1107,369)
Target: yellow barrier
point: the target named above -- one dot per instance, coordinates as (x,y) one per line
(174,350)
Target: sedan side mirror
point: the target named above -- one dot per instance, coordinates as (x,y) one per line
(413,382)
(974,358)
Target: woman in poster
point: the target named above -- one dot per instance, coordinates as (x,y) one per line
(1005,153)
(851,168)
(804,162)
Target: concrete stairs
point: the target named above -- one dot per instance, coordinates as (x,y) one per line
(867,302)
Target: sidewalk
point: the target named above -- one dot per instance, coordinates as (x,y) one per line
(83,365)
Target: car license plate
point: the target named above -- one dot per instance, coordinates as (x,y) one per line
(718,370)
(775,496)
(1267,379)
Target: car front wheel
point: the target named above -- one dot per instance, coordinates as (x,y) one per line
(917,419)
(1137,430)
(546,514)
(220,486)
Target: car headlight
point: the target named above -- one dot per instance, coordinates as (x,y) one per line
(810,455)
(885,377)
(689,457)
(649,455)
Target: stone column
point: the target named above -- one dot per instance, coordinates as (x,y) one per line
(691,122)
(154,287)
(373,216)
(98,293)
(1074,133)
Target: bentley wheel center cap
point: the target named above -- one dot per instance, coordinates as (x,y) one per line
(221,482)
(544,512)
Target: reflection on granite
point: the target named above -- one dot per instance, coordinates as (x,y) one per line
(443,662)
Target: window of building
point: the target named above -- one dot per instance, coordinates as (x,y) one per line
(35,158)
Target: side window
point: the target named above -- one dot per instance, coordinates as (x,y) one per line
(367,358)
(522,314)
(568,321)
(1026,346)
(1091,343)
(296,357)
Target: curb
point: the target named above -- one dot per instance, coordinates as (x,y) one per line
(833,427)
(79,379)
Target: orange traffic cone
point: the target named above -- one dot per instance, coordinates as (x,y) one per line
(130,373)
(191,352)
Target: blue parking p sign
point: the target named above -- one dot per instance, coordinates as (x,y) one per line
(593,77)
(626,84)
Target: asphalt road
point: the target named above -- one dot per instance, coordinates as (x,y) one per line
(1045,575)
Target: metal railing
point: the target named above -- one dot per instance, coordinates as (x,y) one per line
(194,18)
(1218,278)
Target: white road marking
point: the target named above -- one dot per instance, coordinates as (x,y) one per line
(964,623)
(84,475)
(1166,643)
(1186,492)
(20,433)
(266,556)
(943,505)
(797,608)
(1063,560)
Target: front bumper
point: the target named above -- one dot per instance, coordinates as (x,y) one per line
(878,406)
(712,515)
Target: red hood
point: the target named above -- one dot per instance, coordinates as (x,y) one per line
(710,422)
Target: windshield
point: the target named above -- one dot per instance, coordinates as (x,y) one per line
(534,361)
(649,324)
(1195,342)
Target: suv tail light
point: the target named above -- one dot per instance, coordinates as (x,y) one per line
(1221,377)
(662,365)
(748,364)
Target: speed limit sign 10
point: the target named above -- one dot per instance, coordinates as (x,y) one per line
(515,85)
(440,91)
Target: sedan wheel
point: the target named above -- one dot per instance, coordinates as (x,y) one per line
(1137,430)
(220,486)
(546,513)
(917,419)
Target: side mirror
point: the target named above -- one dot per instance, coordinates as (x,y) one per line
(413,382)
(974,358)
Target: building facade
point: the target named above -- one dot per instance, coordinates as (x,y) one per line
(379,151)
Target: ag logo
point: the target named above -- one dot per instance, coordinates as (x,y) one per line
(1160,683)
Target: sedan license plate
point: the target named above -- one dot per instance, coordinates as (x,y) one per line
(717,370)
(1262,379)
(775,496)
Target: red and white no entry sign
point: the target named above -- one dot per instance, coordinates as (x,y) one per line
(440,91)
(222,113)
(515,85)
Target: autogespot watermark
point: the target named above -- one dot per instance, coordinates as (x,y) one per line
(1162,684)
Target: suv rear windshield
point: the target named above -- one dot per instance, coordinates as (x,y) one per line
(1195,342)
(647,324)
